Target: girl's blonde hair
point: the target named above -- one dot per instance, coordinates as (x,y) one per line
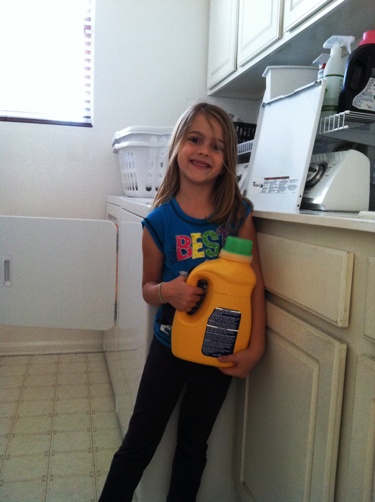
(228,207)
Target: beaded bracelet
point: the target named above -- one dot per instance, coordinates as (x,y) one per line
(159,291)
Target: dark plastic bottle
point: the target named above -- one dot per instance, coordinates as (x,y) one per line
(358,91)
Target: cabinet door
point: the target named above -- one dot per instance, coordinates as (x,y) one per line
(57,273)
(361,472)
(296,11)
(370,300)
(292,414)
(259,26)
(222,46)
(317,278)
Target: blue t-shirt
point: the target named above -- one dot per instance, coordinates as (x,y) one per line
(185,243)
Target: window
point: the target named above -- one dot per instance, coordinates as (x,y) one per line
(46,61)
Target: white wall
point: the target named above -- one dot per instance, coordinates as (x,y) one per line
(150,59)
(150,65)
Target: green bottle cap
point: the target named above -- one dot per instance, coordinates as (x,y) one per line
(238,245)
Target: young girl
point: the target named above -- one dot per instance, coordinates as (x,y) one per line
(197,206)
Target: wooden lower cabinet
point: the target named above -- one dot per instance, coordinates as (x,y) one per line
(292,414)
(361,472)
(307,417)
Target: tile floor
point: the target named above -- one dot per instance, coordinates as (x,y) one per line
(58,427)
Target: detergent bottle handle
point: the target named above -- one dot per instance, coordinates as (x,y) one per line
(196,279)
(202,283)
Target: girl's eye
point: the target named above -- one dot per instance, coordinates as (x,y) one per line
(218,147)
(194,139)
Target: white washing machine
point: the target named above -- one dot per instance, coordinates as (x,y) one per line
(126,347)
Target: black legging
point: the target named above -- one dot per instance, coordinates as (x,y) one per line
(164,377)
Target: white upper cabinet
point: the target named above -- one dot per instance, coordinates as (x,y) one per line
(259,26)
(222,51)
(296,11)
(246,36)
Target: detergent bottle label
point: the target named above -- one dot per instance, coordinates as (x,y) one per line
(221,332)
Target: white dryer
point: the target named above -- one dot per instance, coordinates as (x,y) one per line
(126,349)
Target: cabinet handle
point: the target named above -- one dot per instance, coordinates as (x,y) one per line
(5,279)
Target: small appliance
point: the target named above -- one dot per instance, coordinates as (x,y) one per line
(337,181)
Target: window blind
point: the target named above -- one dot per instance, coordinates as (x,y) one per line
(46,61)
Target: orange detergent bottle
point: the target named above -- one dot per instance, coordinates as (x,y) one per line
(221,323)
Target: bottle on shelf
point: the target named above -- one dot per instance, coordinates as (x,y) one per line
(321,61)
(333,72)
(358,91)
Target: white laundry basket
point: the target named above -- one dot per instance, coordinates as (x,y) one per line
(143,156)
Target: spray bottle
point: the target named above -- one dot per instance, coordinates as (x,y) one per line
(334,72)
(321,61)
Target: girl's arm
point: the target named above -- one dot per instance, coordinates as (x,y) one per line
(176,292)
(245,360)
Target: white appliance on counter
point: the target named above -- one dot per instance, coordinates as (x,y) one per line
(126,352)
(338,181)
(284,176)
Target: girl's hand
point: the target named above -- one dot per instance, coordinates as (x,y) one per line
(243,362)
(180,295)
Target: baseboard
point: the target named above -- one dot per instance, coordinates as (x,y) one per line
(16,340)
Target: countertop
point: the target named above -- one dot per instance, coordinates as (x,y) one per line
(363,221)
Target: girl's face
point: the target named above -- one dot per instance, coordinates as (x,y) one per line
(201,155)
